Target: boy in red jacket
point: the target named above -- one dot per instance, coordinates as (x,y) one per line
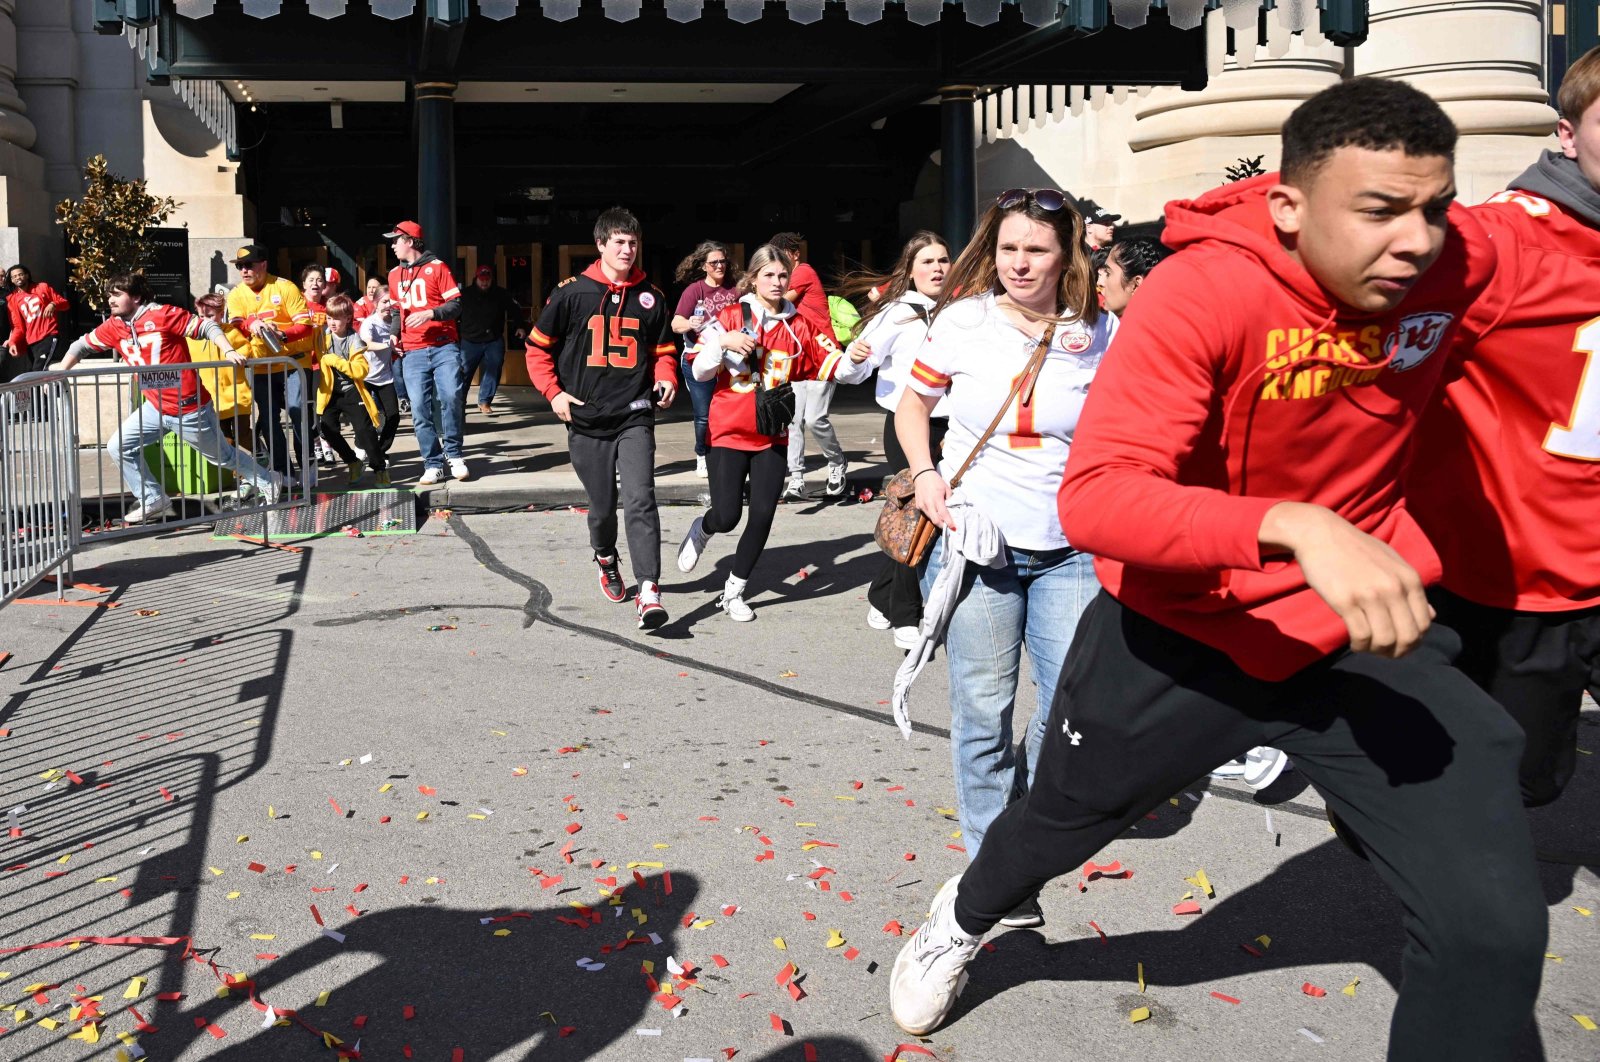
(35,310)
(1506,481)
(1237,474)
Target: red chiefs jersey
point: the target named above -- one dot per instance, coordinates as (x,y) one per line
(794,351)
(425,284)
(28,321)
(156,336)
(1506,475)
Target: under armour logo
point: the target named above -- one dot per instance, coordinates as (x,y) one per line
(1066,728)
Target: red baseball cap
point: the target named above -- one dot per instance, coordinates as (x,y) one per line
(406,228)
(485,271)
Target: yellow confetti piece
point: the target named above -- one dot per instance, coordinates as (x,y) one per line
(1187,896)
(475,815)
(649,966)
(1553,957)
(315,854)
(74,1013)
(1141,978)
(241,839)
(947,812)
(1264,940)
(835,939)
(431,881)
(809,845)
(64,858)
(1350,989)
(661,846)
(123,1056)
(788,674)
(502,733)
(50,774)
(777,942)
(89,1034)
(1584,911)
(272,812)
(502,932)
(421,815)
(37,987)
(1173,801)
(703,923)
(105,881)
(1138,1014)
(234,895)
(50,1023)
(135,986)
(653,866)
(222,992)
(263,936)
(956,834)
(640,916)
(805,824)
(1203,883)
(1585,1021)
(844,798)
(19,1015)
(385,787)
(216,872)
(346,763)
(322,997)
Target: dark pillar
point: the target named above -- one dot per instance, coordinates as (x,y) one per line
(958,149)
(436,166)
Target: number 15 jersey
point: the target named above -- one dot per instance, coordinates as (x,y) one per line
(1506,474)
(605,344)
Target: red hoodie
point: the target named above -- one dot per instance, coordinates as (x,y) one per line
(1236,382)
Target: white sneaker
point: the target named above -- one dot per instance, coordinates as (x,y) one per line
(431,477)
(700,467)
(906,637)
(694,543)
(459,469)
(732,601)
(361,455)
(836,479)
(143,514)
(652,613)
(931,970)
(877,620)
(796,487)
(1231,769)
(1263,765)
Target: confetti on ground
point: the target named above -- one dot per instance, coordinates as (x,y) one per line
(1138,1014)
(1309,1035)
(1585,1021)
(1312,990)
(1350,989)
(1225,998)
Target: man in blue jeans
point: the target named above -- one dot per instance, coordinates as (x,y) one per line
(430,352)
(485,306)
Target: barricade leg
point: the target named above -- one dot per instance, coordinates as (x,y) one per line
(142,427)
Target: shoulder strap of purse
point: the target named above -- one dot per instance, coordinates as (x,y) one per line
(1029,374)
(750,323)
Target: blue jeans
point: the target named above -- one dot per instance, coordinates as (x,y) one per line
(700,395)
(436,383)
(1035,600)
(492,357)
(200,429)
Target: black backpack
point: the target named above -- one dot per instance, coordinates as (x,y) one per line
(774,405)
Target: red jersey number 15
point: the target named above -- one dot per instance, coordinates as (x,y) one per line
(619,349)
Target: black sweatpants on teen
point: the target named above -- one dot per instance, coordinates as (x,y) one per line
(348,403)
(389,406)
(728,469)
(628,456)
(894,590)
(1537,665)
(1409,753)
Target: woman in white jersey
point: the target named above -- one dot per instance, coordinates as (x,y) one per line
(892,330)
(1025,279)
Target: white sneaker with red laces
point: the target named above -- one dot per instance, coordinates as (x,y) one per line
(652,613)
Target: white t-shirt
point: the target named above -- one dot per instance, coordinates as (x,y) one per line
(896,334)
(973,354)
(375,334)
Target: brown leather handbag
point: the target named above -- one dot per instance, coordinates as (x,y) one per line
(903,532)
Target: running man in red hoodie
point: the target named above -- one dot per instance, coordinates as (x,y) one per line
(1506,480)
(1237,474)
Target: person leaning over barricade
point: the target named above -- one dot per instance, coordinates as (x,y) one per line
(224,380)
(893,328)
(143,332)
(267,316)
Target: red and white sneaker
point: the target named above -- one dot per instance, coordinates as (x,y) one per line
(652,613)
(611,583)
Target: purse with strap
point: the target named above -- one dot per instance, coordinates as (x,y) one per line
(903,532)
(774,405)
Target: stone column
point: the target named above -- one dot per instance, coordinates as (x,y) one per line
(958,146)
(27,230)
(436,166)
(1483,60)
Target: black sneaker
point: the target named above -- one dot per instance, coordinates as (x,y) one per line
(611,583)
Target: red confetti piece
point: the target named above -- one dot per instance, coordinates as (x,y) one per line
(845,896)
(316,914)
(266,956)
(666,882)
(910,856)
(783,976)
(778,1024)
(427,790)
(360,888)
(621,817)
(1091,871)
(217,1031)
(668,1001)
(360,1021)
(457,1055)
(894,926)
(796,993)
(852,954)
(721,964)
(904,1049)
(566,1031)
(259,868)
(729,1052)
(1187,907)
(352,909)
(808,916)
(384,819)
(166,795)
(574,827)
(855,785)
(811,1053)
(1252,949)
(169,997)
(546,882)
(894,789)
(957,847)
(1096,927)
(786,802)
(337,810)
(1313,991)
(1224,998)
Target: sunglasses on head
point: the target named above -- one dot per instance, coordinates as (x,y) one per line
(1048,199)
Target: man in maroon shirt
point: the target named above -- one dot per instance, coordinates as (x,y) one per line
(811,397)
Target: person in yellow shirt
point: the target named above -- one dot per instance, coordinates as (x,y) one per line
(267,315)
(223,381)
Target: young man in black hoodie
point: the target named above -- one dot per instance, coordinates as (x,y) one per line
(1506,480)
(602,353)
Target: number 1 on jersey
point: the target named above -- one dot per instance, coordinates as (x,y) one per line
(1579,438)
(618,350)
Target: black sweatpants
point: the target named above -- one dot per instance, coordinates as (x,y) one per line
(631,456)
(1409,753)
(894,590)
(1537,665)
(349,403)
(728,470)
(389,406)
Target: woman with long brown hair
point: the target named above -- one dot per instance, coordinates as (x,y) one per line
(713,287)
(893,327)
(1016,327)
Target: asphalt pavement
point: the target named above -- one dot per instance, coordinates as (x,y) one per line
(433,793)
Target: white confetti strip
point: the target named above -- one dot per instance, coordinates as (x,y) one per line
(1309,1035)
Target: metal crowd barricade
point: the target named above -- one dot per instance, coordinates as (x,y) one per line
(82,450)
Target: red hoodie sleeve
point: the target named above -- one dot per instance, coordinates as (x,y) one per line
(820,357)
(542,339)
(1150,401)
(18,328)
(666,351)
(58,300)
